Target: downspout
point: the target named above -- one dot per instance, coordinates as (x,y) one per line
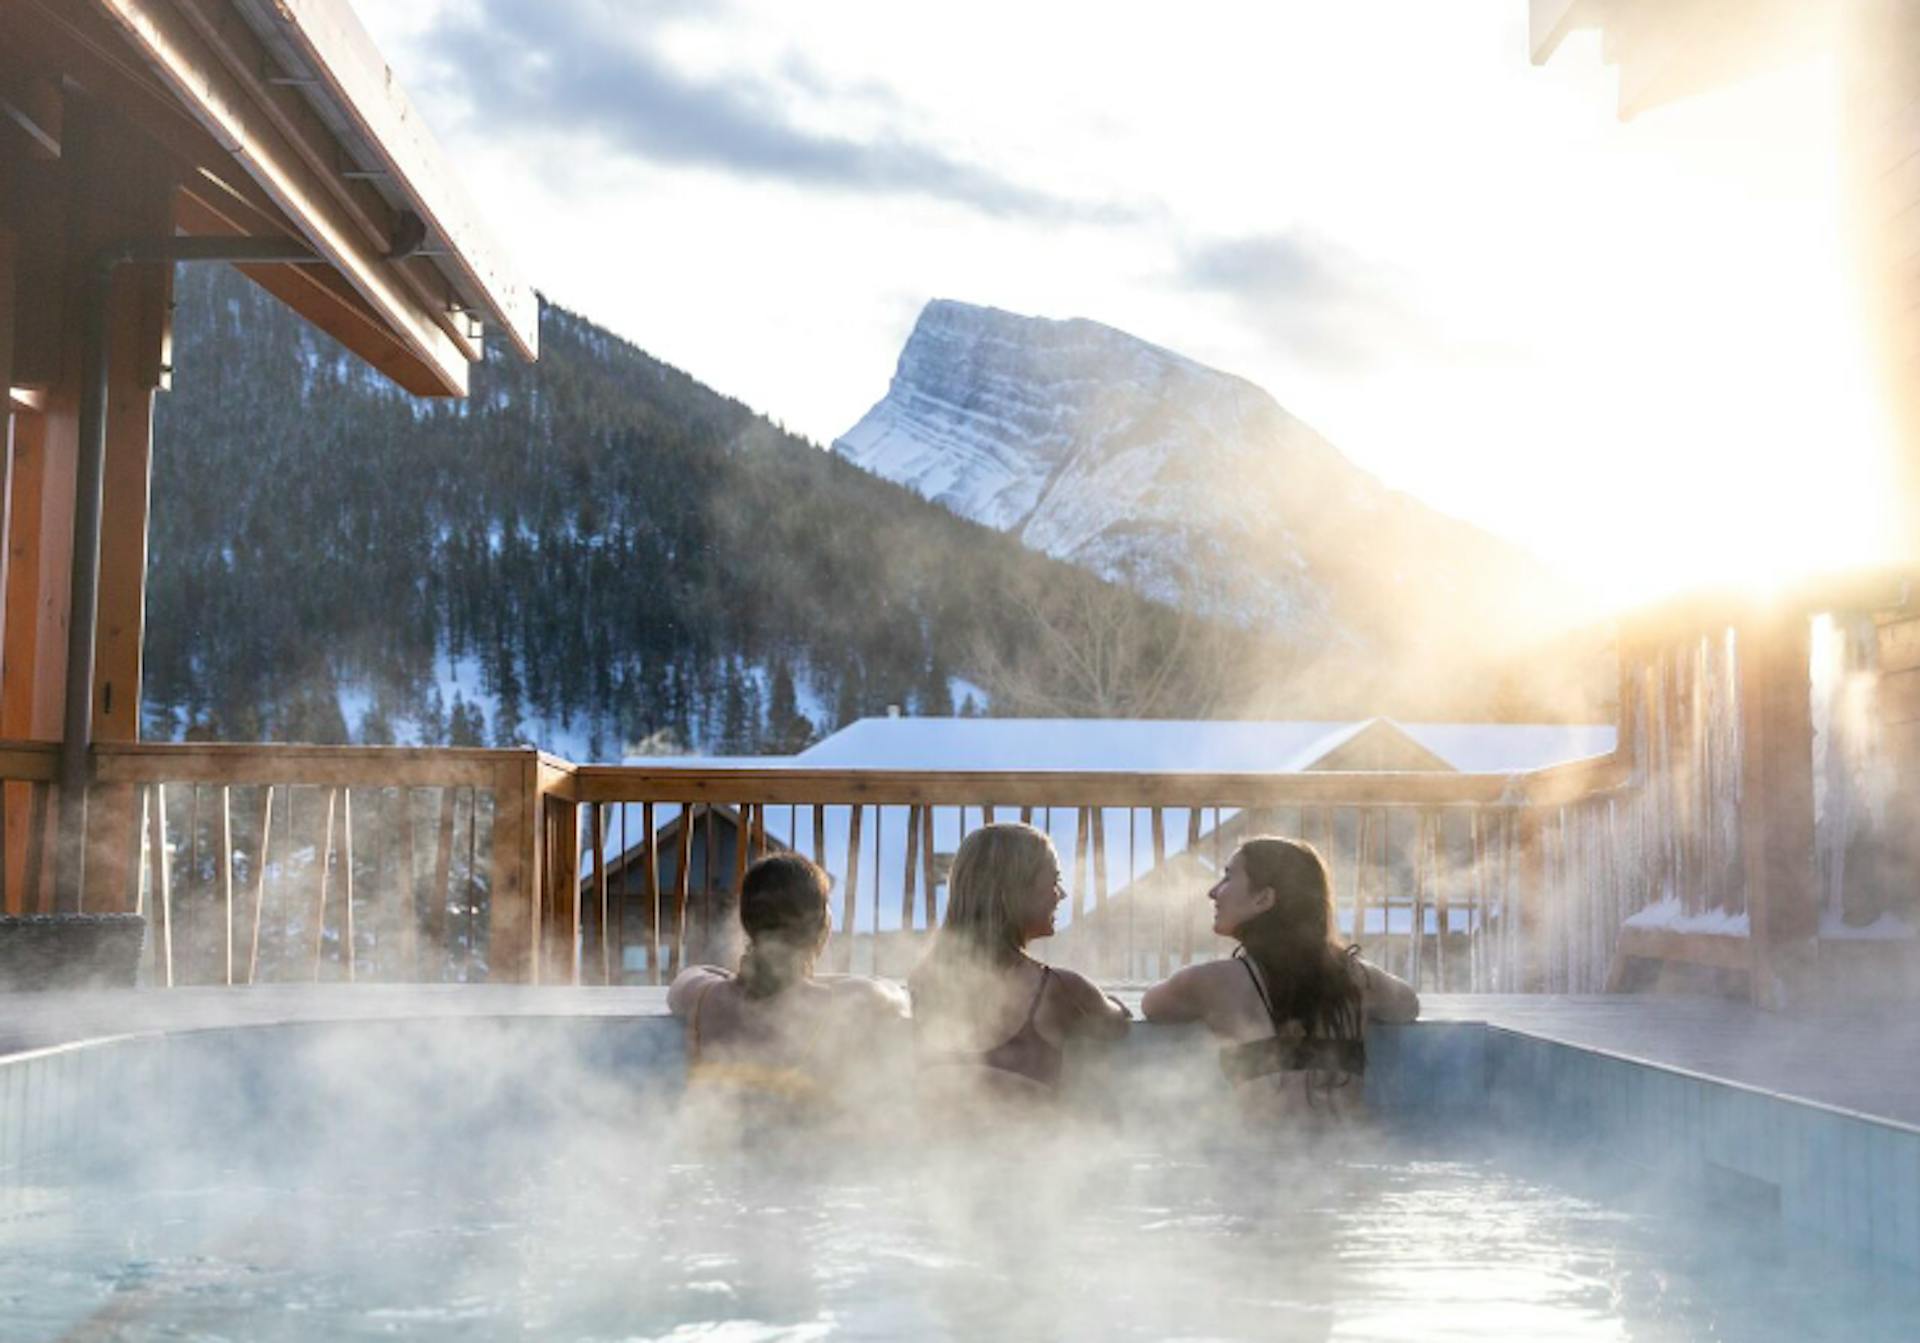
(76,744)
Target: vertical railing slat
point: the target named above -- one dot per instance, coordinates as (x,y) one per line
(441,896)
(320,899)
(409,886)
(226,875)
(1162,953)
(346,880)
(683,884)
(849,898)
(596,836)
(927,866)
(261,863)
(34,873)
(907,881)
(162,886)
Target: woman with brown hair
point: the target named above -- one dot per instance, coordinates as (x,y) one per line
(988,1018)
(772,1029)
(1293,1001)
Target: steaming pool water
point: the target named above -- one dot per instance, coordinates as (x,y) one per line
(305,1185)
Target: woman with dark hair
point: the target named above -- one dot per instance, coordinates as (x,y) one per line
(1293,1001)
(772,1028)
(988,1018)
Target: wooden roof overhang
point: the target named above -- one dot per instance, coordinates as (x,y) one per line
(281,120)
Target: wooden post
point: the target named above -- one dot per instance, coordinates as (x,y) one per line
(346,879)
(1362,841)
(682,882)
(1187,907)
(513,935)
(1105,933)
(320,898)
(441,892)
(709,883)
(162,887)
(226,872)
(849,897)
(597,837)
(929,906)
(1776,821)
(651,844)
(1162,891)
(409,887)
(913,867)
(1530,975)
(260,882)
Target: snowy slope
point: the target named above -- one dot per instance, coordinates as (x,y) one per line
(1196,486)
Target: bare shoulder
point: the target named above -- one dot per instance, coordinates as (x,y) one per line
(691,984)
(1188,993)
(1097,1012)
(1075,988)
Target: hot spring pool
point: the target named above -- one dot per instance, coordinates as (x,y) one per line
(472,1180)
(1391,1244)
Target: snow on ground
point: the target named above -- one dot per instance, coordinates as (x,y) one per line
(1668,915)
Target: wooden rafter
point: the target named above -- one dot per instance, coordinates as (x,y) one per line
(225,109)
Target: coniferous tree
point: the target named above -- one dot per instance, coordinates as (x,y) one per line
(597,530)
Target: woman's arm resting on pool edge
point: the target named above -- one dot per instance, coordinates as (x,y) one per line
(1180,998)
(1388,997)
(1102,1016)
(688,985)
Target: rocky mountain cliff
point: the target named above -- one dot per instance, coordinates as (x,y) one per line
(1193,485)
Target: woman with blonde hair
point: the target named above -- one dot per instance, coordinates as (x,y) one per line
(1293,1001)
(986,1014)
(772,1031)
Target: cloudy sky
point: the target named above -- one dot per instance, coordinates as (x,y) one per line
(1625,346)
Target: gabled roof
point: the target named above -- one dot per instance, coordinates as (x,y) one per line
(1193,747)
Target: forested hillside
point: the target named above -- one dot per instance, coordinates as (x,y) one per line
(592,552)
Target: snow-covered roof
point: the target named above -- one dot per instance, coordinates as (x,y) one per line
(710,761)
(1090,745)
(1163,746)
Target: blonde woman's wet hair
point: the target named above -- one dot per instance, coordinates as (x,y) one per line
(994,875)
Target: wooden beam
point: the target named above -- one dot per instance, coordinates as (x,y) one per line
(340,52)
(221,105)
(513,932)
(39,542)
(784,787)
(316,293)
(325,766)
(1776,793)
(217,196)
(9,251)
(137,201)
(248,62)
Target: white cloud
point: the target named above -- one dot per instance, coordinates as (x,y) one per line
(1501,299)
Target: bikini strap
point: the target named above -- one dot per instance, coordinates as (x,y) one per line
(1033,1008)
(1259,988)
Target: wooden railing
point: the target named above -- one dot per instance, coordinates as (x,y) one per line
(273,863)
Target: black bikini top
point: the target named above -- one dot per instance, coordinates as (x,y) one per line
(1026,1053)
(1282,1054)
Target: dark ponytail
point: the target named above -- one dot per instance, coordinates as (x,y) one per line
(783,910)
(1295,945)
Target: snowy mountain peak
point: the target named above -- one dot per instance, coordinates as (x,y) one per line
(1194,485)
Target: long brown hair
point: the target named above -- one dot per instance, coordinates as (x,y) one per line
(783,910)
(1295,944)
